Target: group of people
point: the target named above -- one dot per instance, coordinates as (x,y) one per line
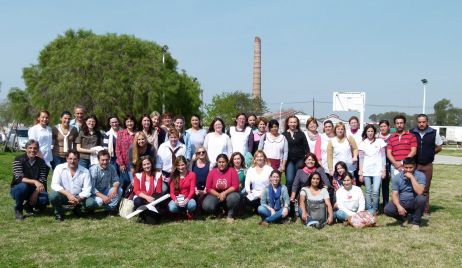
(231,171)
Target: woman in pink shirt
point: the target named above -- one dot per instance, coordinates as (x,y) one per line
(182,188)
(222,188)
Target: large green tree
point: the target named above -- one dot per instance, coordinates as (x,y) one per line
(446,114)
(108,74)
(227,105)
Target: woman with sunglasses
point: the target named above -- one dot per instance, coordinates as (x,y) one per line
(200,166)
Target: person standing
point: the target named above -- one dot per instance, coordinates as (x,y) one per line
(64,136)
(385,135)
(240,135)
(401,144)
(429,144)
(41,132)
(298,149)
(79,115)
(216,141)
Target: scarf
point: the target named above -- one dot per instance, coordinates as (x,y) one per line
(110,144)
(275,197)
(309,170)
(311,136)
(151,190)
(66,142)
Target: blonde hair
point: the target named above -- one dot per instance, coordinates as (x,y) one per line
(135,149)
(339,124)
(194,158)
(254,162)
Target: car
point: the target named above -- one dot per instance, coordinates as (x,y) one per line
(18,139)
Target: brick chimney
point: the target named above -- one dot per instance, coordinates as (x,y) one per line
(256,87)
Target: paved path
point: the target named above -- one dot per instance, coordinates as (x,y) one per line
(447,160)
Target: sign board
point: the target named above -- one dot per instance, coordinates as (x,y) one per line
(349,101)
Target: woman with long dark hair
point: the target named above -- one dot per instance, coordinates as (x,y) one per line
(64,136)
(89,137)
(182,188)
(315,206)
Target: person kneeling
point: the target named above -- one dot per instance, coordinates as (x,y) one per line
(29,181)
(274,201)
(182,188)
(71,185)
(350,200)
(105,183)
(148,186)
(407,195)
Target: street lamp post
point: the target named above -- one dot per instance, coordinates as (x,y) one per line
(424,82)
(280,113)
(164,51)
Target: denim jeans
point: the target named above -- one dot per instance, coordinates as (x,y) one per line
(57,160)
(372,190)
(57,200)
(291,169)
(124,179)
(111,206)
(174,208)
(22,192)
(265,214)
(84,163)
(340,215)
(414,207)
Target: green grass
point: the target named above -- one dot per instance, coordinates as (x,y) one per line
(99,241)
(451,152)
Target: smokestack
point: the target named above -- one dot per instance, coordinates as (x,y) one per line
(256,88)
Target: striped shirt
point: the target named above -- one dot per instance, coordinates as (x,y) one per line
(400,145)
(34,170)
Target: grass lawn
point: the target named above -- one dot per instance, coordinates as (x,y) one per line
(451,152)
(100,241)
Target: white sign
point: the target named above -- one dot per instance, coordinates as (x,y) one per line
(349,101)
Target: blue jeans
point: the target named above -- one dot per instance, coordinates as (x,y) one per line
(291,170)
(111,206)
(340,215)
(57,200)
(124,179)
(57,160)
(372,190)
(84,163)
(174,208)
(265,214)
(22,192)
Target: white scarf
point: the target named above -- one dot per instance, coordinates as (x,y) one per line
(66,142)
(110,144)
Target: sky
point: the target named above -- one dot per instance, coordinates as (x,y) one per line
(309,48)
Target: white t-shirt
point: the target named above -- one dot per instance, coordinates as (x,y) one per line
(217,144)
(351,201)
(342,152)
(324,142)
(373,161)
(258,180)
(44,138)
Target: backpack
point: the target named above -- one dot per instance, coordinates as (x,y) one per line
(316,209)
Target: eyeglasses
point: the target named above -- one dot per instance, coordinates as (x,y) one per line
(200,152)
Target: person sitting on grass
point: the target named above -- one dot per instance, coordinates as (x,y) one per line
(182,189)
(408,200)
(105,183)
(148,185)
(222,188)
(29,181)
(350,200)
(315,207)
(71,185)
(274,206)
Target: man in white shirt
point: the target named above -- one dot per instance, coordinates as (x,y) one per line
(71,185)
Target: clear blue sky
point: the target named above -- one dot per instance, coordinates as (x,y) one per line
(309,48)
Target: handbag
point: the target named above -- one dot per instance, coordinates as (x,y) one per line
(126,207)
(362,219)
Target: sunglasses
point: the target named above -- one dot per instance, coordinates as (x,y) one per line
(201,152)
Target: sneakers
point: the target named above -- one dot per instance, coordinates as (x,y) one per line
(59,217)
(404,224)
(29,209)
(189,216)
(264,224)
(415,227)
(18,215)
